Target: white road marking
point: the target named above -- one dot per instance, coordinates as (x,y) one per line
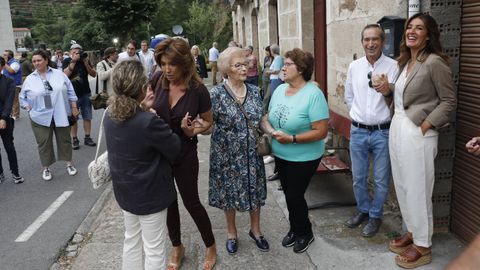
(43,217)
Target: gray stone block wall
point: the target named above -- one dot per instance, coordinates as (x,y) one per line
(447,13)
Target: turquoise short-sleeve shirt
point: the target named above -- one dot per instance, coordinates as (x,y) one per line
(294,115)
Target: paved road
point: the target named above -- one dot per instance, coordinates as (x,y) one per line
(21,205)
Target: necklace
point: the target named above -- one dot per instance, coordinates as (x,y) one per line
(244,90)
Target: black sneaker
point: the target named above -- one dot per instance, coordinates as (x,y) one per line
(17,179)
(289,239)
(75,144)
(88,141)
(302,243)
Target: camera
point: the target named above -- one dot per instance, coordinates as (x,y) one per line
(83,54)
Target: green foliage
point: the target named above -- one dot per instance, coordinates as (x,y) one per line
(29,42)
(209,22)
(85,29)
(49,24)
(126,18)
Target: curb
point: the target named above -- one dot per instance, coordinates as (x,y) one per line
(87,223)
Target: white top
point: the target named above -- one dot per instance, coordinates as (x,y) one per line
(124,56)
(398,94)
(366,105)
(148,60)
(213,54)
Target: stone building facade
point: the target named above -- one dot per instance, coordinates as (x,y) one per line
(296,23)
(6,32)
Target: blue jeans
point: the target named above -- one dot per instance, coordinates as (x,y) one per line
(365,143)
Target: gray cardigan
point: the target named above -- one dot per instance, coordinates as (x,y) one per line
(140,151)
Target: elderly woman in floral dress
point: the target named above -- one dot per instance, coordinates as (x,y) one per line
(237,173)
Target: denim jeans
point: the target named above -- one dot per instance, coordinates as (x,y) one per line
(365,143)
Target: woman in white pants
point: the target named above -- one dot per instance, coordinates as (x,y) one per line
(140,147)
(424,100)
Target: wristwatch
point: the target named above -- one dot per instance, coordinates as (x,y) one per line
(294,141)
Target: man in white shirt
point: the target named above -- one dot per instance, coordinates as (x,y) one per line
(131,53)
(58,58)
(370,114)
(146,57)
(213,54)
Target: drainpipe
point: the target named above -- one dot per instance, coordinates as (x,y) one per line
(413,7)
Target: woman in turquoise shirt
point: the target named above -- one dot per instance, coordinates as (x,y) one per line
(298,121)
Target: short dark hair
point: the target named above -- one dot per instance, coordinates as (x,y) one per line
(303,60)
(24,54)
(374,25)
(10,54)
(2,62)
(133,42)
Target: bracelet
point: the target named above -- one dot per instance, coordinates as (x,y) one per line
(294,141)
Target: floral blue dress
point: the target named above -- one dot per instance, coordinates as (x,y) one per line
(237,173)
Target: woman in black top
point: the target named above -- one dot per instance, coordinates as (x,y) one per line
(141,171)
(199,62)
(180,97)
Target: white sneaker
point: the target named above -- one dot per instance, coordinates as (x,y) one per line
(268,159)
(71,170)
(47,175)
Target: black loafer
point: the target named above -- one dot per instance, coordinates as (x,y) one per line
(232,245)
(289,239)
(261,242)
(302,243)
(356,220)
(273,177)
(372,227)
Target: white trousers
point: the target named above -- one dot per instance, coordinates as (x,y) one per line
(149,232)
(412,157)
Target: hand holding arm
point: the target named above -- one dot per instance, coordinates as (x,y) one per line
(473,146)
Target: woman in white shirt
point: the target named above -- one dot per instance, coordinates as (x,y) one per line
(48,96)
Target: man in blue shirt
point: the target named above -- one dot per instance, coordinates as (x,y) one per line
(7,93)
(13,69)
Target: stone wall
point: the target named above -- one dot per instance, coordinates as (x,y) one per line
(345,21)
(6,30)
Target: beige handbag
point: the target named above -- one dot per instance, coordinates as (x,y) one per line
(99,169)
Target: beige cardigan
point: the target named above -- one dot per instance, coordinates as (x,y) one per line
(429,93)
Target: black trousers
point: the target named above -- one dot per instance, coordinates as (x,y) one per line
(7,139)
(295,177)
(186,178)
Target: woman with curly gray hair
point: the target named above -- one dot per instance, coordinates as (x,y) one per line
(141,172)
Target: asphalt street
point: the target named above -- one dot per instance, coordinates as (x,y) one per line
(22,205)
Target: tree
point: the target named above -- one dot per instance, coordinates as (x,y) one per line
(28,42)
(124,19)
(49,24)
(208,23)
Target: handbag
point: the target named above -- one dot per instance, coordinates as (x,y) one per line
(99,100)
(263,141)
(99,169)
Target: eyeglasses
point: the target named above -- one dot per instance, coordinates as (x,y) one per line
(287,64)
(47,85)
(369,76)
(240,65)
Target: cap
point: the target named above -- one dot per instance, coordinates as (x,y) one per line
(109,51)
(75,46)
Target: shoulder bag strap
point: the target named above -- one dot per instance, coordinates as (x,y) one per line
(100,134)
(240,106)
(96,86)
(104,82)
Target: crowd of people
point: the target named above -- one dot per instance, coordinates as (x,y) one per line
(159,99)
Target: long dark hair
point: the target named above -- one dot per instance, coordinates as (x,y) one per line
(178,51)
(433,43)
